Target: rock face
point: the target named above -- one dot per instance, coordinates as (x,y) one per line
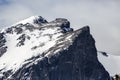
(72,57)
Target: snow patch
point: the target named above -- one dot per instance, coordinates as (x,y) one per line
(111,63)
(40,42)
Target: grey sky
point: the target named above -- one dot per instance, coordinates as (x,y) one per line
(103,17)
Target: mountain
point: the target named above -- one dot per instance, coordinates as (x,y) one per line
(35,49)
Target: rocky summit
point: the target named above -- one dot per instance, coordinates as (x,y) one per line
(35,49)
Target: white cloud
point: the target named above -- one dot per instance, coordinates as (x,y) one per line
(13,13)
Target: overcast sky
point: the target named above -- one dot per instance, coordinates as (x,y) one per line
(103,17)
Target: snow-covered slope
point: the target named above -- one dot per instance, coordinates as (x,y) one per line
(29,38)
(111,63)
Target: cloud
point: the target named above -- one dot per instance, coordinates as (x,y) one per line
(3,2)
(13,13)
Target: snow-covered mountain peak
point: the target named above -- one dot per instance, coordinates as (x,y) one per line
(34,49)
(30,38)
